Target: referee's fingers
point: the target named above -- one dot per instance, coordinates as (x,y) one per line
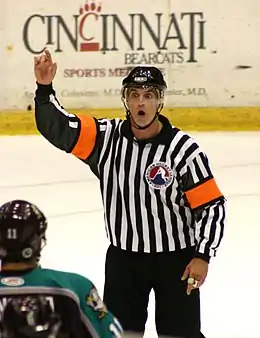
(192,284)
(48,55)
(185,273)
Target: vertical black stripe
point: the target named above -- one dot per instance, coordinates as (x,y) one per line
(128,159)
(221,221)
(138,197)
(204,222)
(205,161)
(173,220)
(212,226)
(178,197)
(119,226)
(148,203)
(162,220)
(186,225)
(160,207)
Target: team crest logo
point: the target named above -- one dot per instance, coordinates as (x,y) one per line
(95,302)
(12,281)
(159,175)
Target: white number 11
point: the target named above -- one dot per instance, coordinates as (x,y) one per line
(12,233)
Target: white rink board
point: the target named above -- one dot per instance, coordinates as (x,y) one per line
(67,191)
(208,50)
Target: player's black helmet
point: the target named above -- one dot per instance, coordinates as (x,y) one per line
(29,316)
(22,231)
(144,77)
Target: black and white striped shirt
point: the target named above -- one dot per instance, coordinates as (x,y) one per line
(158,195)
(144,216)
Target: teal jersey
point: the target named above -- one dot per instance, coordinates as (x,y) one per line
(71,295)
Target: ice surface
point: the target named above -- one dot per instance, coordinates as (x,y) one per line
(65,189)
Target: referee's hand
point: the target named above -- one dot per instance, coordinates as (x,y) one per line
(44,68)
(195,273)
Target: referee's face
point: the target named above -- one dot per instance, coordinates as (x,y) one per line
(142,104)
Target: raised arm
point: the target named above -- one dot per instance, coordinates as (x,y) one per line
(68,132)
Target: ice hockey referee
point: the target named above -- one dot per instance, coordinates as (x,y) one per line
(164,212)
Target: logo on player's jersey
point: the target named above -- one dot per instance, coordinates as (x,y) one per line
(159,175)
(12,281)
(95,302)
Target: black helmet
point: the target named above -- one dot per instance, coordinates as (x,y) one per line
(143,77)
(29,316)
(22,230)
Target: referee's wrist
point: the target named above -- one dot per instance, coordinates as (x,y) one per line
(43,89)
(202,256)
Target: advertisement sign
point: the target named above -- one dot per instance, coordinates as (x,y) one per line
(207,51)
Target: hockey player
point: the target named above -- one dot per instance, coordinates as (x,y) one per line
(73,297)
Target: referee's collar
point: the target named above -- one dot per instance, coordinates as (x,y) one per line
(164,136)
